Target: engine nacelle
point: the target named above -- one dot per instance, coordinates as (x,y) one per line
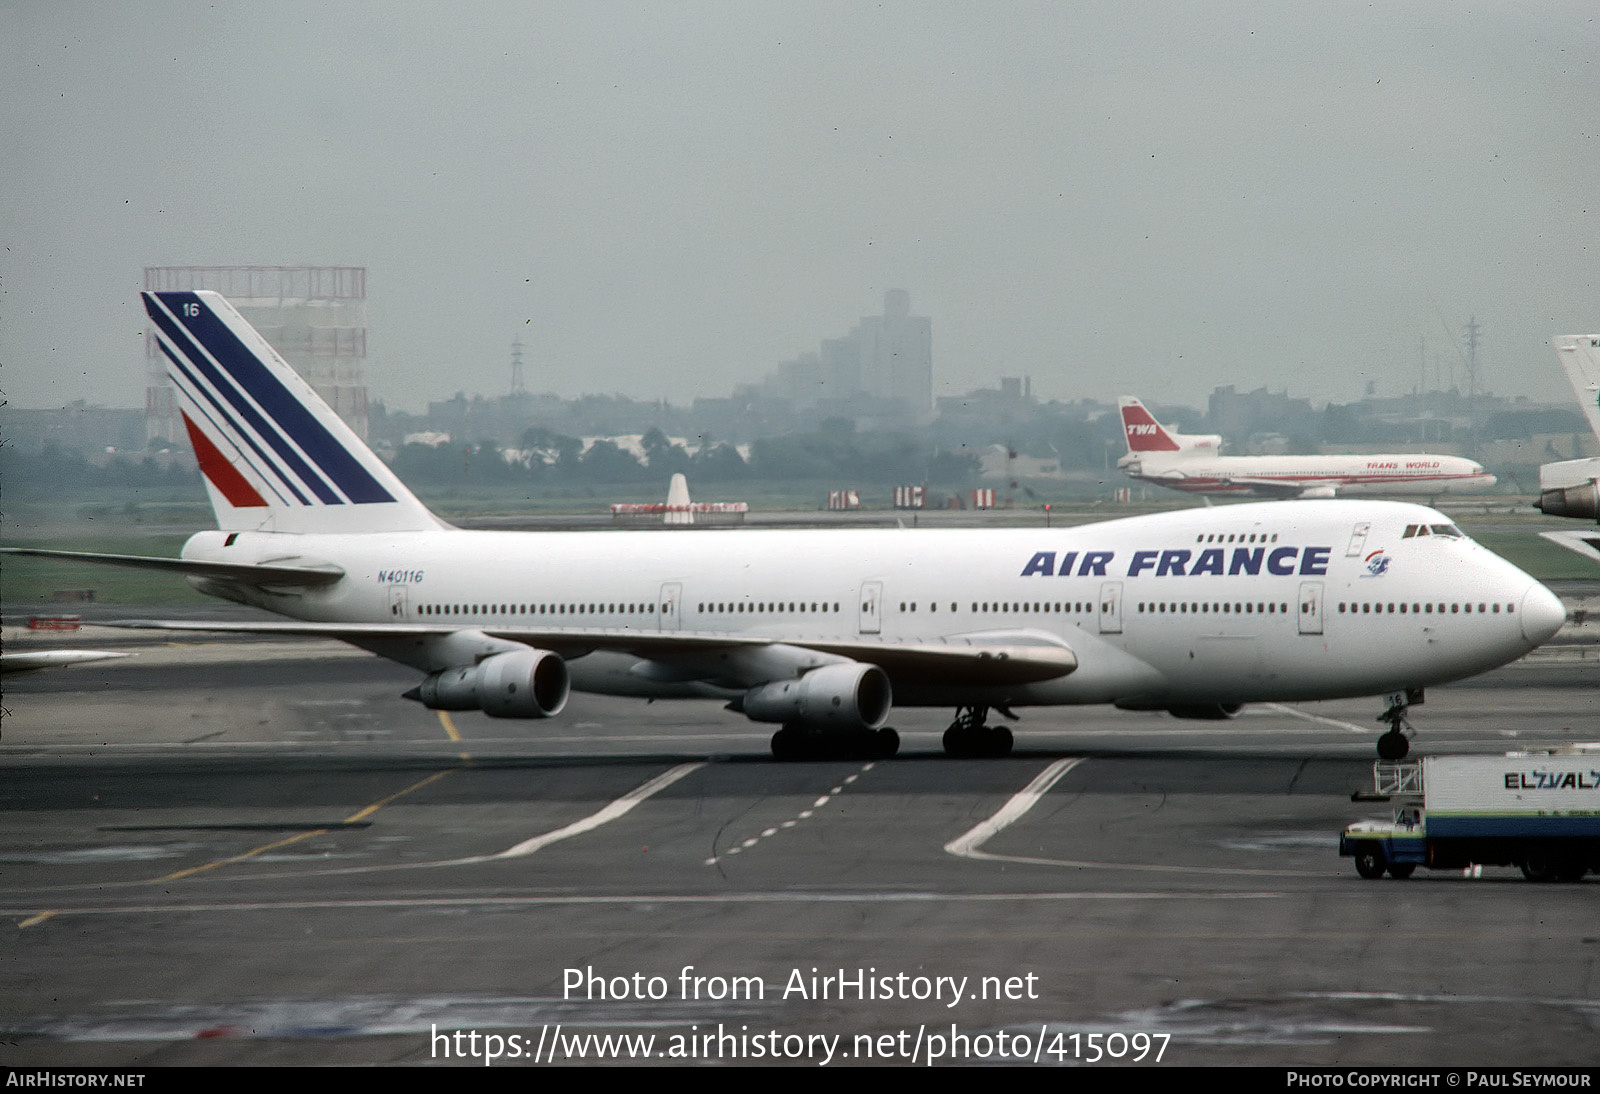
(526,683)
(848,696)
(1207,712)
(1582,500)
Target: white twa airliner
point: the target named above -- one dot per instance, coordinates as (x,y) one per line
(1190,463)
(1192,612)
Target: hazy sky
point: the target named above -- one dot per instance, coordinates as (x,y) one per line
(668,199)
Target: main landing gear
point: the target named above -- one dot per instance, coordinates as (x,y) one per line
(800,742)
(1394,744)
(969,738)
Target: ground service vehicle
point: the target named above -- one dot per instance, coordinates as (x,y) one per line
(1539,811)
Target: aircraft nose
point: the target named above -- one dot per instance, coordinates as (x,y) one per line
(1542,614)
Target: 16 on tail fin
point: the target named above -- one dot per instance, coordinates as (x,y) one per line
(275,457)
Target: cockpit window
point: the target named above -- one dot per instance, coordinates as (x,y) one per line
(1413,530)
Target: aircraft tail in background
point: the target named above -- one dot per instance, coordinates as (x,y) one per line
(275,457)
(1579,355)
(1145,435)
(680,510)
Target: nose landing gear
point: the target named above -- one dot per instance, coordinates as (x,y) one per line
(1394,744)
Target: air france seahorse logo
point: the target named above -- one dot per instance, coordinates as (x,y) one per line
(1377,564)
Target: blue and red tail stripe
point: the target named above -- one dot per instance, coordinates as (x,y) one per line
(249,399)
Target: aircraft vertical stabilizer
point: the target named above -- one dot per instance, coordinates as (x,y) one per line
(1579,355)
(679,508)
(1146,435)
(275,457)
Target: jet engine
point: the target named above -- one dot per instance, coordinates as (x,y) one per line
(847,696)
(525,683)
(1582,500)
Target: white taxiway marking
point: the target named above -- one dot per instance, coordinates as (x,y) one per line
(1293,713)
(966,846)
(491,903)
(610,813)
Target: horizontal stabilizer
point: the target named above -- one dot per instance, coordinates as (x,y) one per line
(285,572)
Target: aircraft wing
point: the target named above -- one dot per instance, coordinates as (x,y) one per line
(1268,488)
(33,660)
(281,572)
(1586,544)
(992,657)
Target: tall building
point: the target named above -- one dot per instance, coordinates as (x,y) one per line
(897,354)
(887,358)
(314,316)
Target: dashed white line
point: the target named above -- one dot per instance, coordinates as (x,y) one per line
(804,814)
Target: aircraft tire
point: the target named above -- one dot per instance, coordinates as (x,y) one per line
(958,743)
(1393,746)
(999,742)
(1370,862)
(887,742)
(788,744)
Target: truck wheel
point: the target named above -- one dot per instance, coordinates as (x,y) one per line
(1370,862)
(1540,865)
(1401,870)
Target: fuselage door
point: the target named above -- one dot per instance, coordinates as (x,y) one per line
(871,607)
(667,609)
(397,603)
(1311,607)
(1111,607)
(1358,540)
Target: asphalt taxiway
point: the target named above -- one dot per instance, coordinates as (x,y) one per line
(248,852)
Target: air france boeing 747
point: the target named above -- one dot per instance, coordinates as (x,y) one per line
(820,632)
(1191,463)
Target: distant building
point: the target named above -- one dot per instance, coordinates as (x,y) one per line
(314,316)
(1238,416)
(77,427)
(887,360)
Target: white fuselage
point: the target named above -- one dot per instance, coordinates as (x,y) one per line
(1349,476)
(1245,603)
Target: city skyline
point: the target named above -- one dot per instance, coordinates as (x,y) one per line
(1147,198)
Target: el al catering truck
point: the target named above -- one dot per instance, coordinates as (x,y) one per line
(1533,810)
